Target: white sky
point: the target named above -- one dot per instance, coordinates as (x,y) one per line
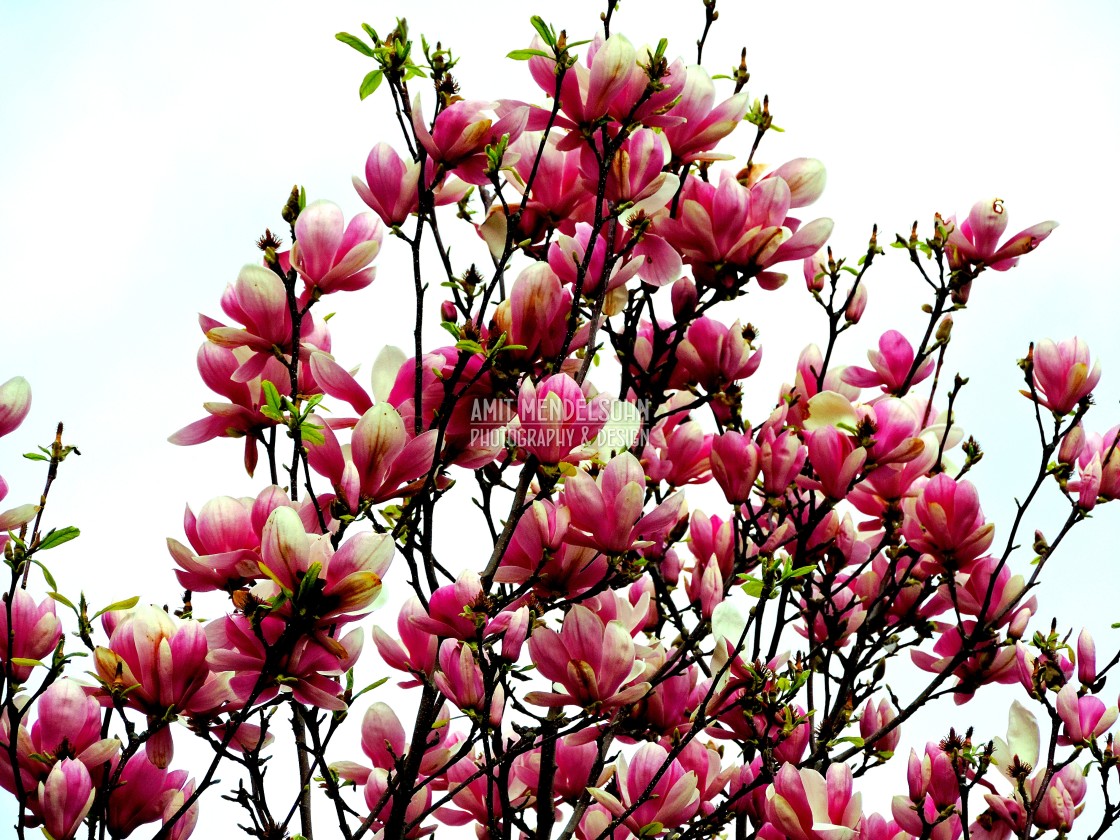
(145,146)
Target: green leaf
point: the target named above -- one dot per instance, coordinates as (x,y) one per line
(371,32)
(271,396)
(126,604)
(525,55)
(58,537)
(370,687)
(468,346)
(355,42)
(62,599)
(35,456)
(47,576)
(451,328)
(753,586)
(27,663)
(544,30)
(370,83)
(310,432)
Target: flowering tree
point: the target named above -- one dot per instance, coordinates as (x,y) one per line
(608,663)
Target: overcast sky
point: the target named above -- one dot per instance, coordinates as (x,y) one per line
(145,146)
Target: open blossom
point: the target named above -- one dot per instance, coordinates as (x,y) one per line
(461,133)
(715,355)
(332,256)
(347,579)
(705,123)
(727,230)
(805,805)
(160,667)
(595,662)
(607,511)
(976,239)
(555,419)
(1062,377)
(144,793)
(673,799)
(890,365)
(35,631)
(541,553)
(308,667)
(947,522)
(1083,717)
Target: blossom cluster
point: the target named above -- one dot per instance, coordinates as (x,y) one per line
(608,663)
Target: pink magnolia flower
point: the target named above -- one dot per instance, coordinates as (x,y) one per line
(805,178)
(678,451)
(594,661)
(540,552)
(1083,717)
(450,612)
(308,667)
(241,416)
(836,460)
(976,239)
(1098,468)
(652,259)
(714,355)
(556,420)
(1061,374)
(781,458)
(805,805)
(346,581)
(460,679)
(461,133)
(161,668)
(65,797)
(332,256)
(258,301)
(392,186)
(635,173)
(384,460)
(705,123)
(34,632)
(875,716)
(1086,658)
(609,82)
(559,194)
(674,798)
(227,546)
(15,402)
(890,365)
(1062,801)
(536,314)
(735,461)
(416,652)
(143,795)
(947,521)
(730,230)
(607,511)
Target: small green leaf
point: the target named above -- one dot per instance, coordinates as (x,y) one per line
(544,30)
(753,586)
(451,328)
(26,663)
(62,599)
(355,42)
(58,537)
(525,55)
(370,83)
(271,396)
(468,346)
(126,604)
(371,32)
(35,456)
(47,576)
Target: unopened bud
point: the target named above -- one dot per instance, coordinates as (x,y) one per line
(684,297)
(858,302)
(944,329)
(448,311)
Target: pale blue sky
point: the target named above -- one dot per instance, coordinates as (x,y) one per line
(145,146)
